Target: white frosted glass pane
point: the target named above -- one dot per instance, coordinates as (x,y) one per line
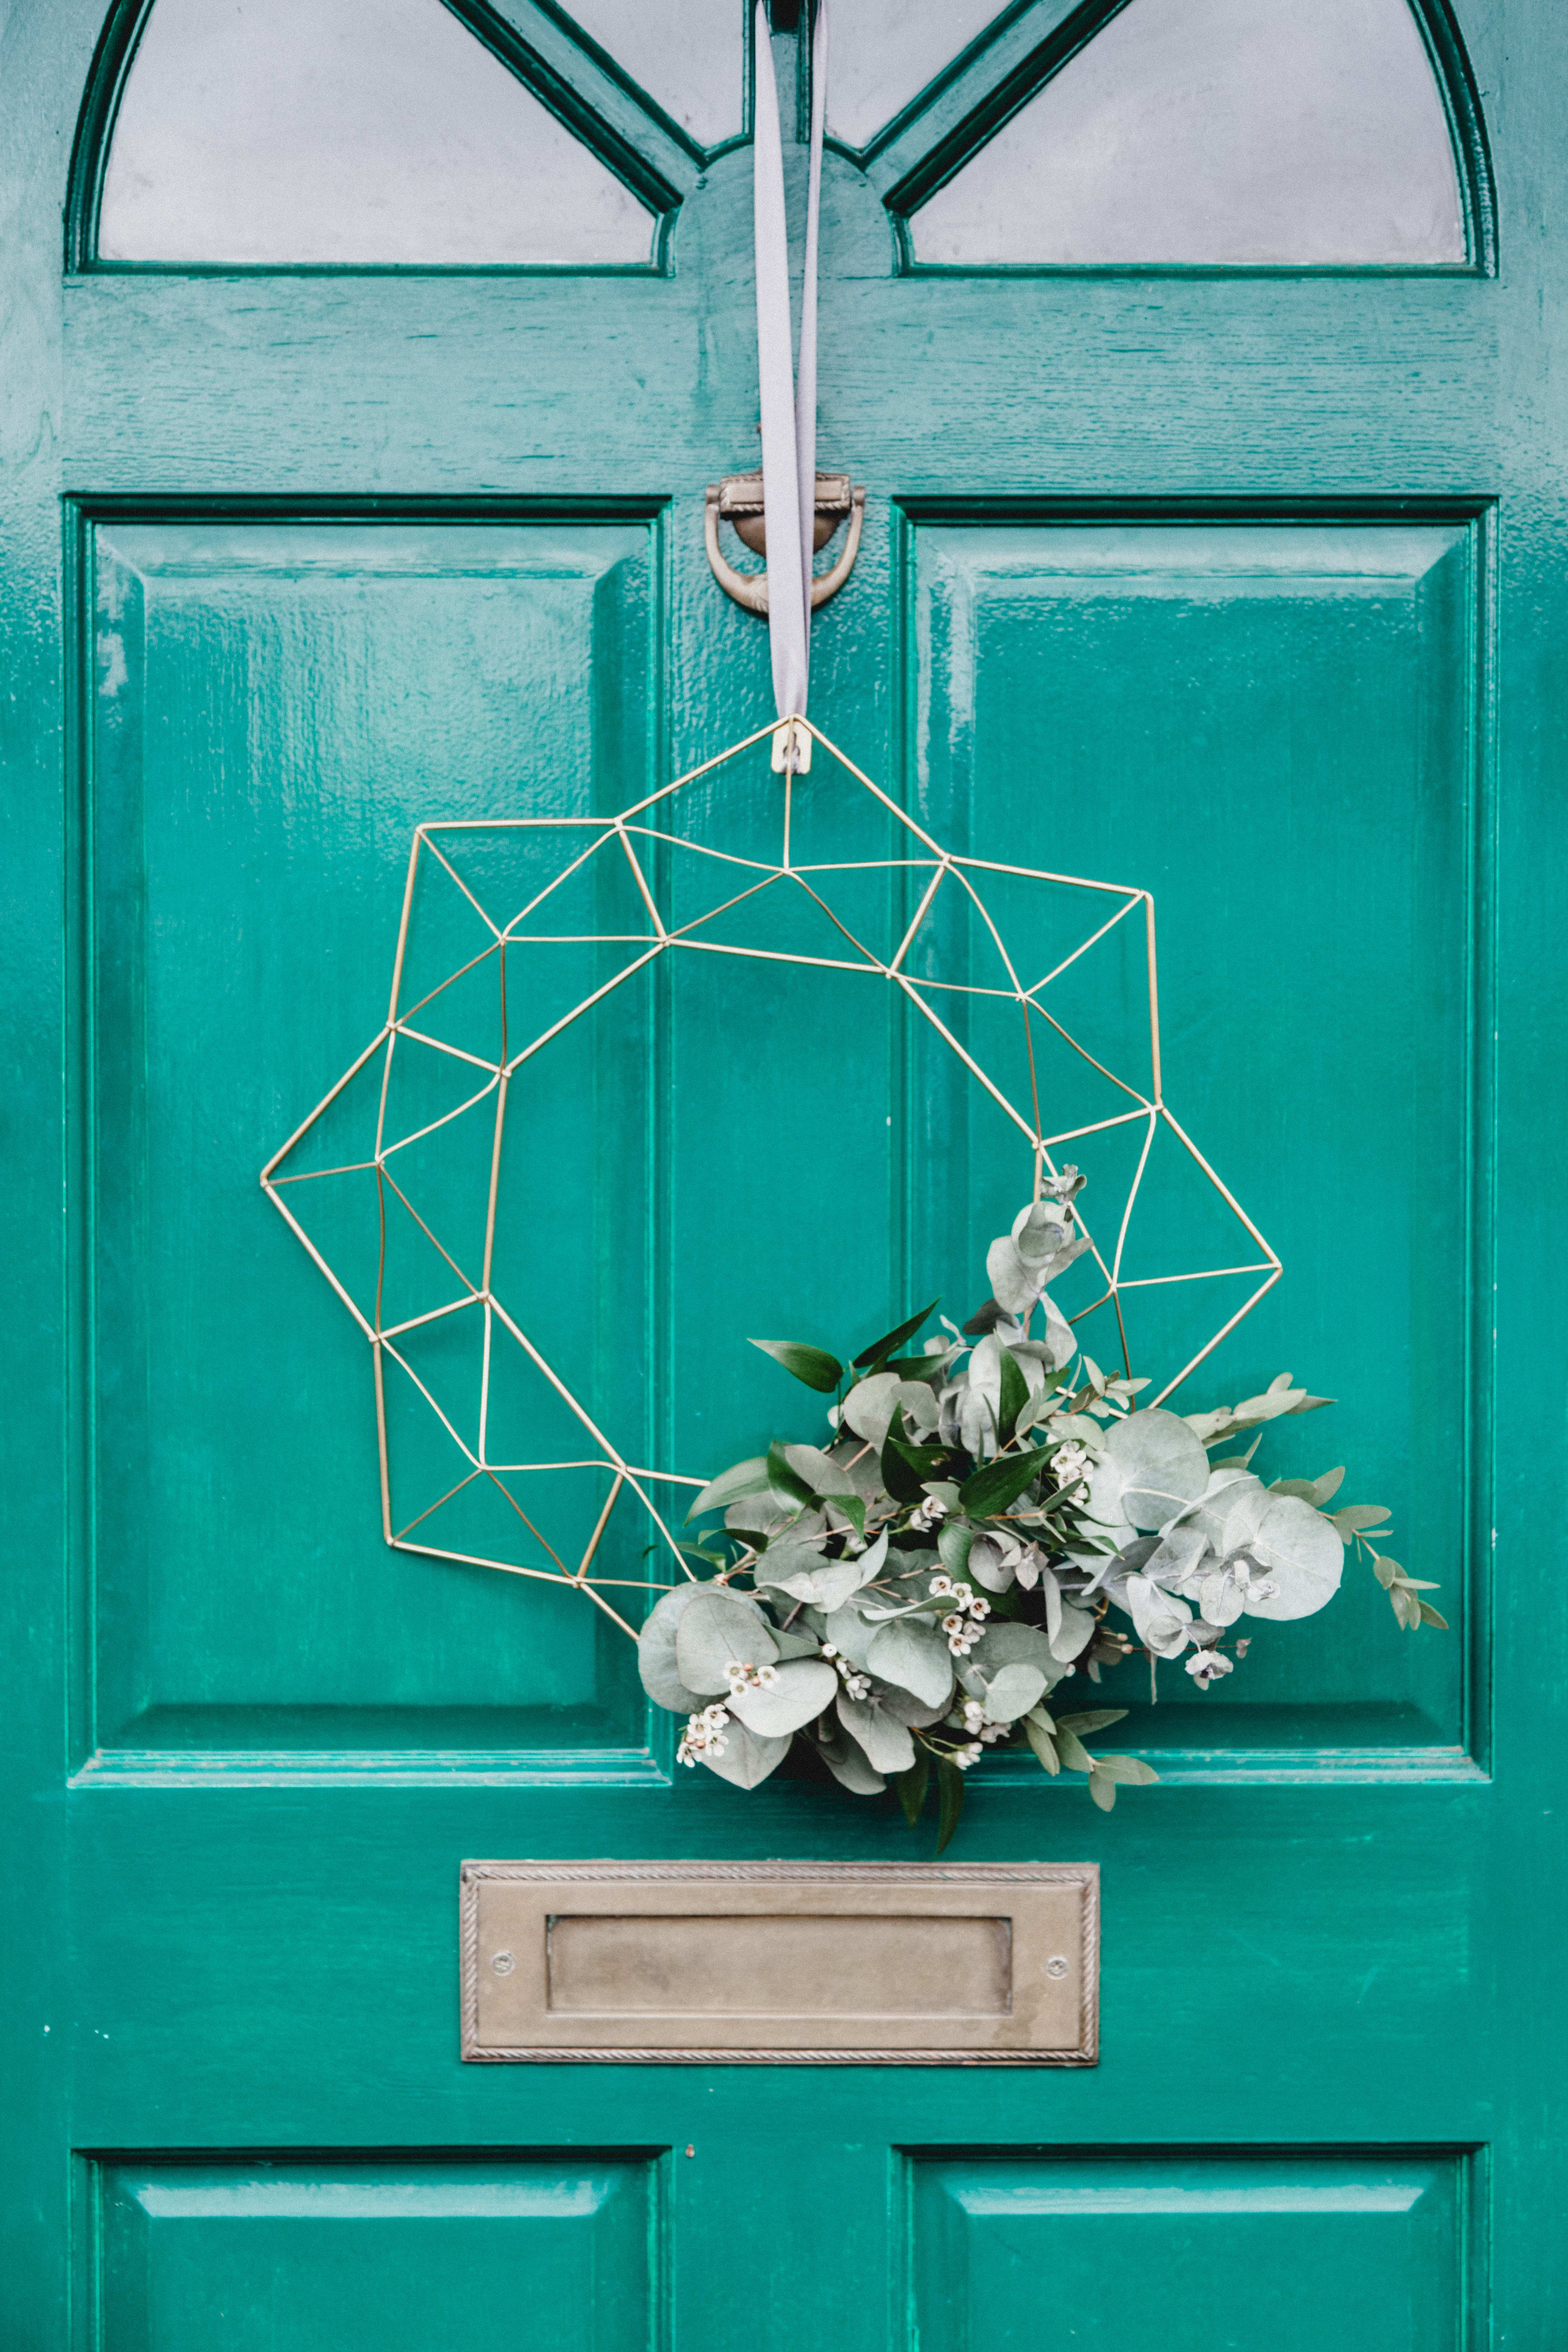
(688,55)
(885,52)
(1219,131)
(346,131)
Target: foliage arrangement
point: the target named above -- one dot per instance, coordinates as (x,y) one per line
(989,1519)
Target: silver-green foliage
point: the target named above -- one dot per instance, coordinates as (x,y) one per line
(986,1519)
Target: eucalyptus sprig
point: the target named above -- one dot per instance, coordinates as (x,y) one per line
(989,1516)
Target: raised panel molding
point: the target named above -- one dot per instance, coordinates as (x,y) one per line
(242,846)
(1275,721)
(366,2253)
(1181,2249)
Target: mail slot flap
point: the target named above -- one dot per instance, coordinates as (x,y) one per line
(885,1963)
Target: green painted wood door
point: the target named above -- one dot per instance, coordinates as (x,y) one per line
(1244,583)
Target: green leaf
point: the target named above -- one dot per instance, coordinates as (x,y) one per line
(881,1350)
(1151,1467)
(913,1785)
(990,1490)
(853,1508)
(736,1485)
(814,1366)
(1015,1396)
(1356,1517)
(656,1652)
(953,1542)
(1102,1788)
(847,1763)
(1012,1691)
(1129,1770)
(1429,1616)
(885,1739)
(805,1688)
(785,1483)
(1042,1743)
(1094,1718)
(950,1800)
(930,1464)
(902,1464)
(1074,1755)
(1015,1645)
(713,1629)
(819,1471)
(747,1757)
(914,1657)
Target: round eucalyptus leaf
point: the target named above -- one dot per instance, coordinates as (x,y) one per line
(656,1653)
(1231,1511)
(803,1687)
(1014,1285)
(1220,1598)
(1301,1553)
(715,1629)
(915,1657)
(1005,1644)
(1059,1337)
(849,1633)
(868,1407)
(986,1565)
(849,1764)
(1157,1466)
(747,1758)
(918,1712)
(885,1739)
(1012,1692)
(820,1472)
(1073,1635)
(1163,1619)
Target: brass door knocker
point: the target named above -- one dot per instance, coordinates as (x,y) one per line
(738,501)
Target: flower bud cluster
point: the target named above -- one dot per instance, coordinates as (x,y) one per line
(704,1734)
(1070,1465)
(968,1717)
(965,1621)
(856,1685)
(929,1514)
(745,1677)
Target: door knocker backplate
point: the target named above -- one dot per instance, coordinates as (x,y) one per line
(738,501)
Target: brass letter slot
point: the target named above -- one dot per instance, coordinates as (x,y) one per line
(847,1963)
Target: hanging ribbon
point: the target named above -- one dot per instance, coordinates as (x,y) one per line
(788,394)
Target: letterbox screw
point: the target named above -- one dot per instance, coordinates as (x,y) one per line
(1056,1966)
(504,1963)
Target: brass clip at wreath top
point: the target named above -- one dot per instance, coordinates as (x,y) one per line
(738,501)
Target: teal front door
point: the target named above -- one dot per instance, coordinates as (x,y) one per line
(365,367)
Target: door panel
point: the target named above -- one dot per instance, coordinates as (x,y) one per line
(1273,726)
(378,2255)
(244,841)
(1192,2251)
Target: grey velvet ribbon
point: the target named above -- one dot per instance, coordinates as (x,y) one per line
(788,393)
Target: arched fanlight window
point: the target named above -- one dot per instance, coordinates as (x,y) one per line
(1221,133)
(348,132)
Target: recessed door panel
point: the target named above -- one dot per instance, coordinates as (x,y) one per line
(1184,2253)
(1272,727)
(377,2256)
(246,845)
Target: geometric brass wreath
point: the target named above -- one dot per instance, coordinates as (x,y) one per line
(564,911)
